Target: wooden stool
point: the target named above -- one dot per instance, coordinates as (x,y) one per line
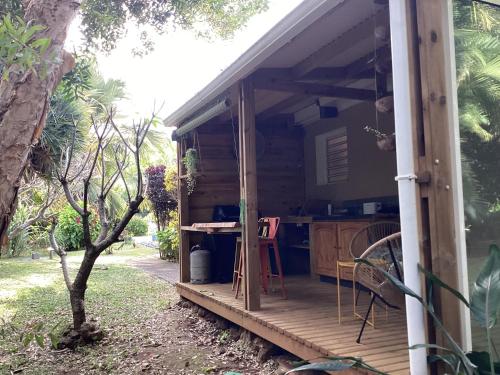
(266,245)
(268,229)
(238,269)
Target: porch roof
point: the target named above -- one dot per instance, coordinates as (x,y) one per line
(304,40)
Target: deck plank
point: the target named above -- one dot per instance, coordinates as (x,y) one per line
(307,325)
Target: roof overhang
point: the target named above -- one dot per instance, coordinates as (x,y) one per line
(283,33)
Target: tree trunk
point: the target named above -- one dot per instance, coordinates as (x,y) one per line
(24,100)
(77,298)
(77,292)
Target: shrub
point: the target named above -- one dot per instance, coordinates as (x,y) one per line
(137,226)
(69,232)
(19,244)
(169,239)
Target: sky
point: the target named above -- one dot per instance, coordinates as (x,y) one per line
(181,64)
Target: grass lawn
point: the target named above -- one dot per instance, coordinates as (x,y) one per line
(119,295)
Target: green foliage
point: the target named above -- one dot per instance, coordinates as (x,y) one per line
(120,296)
(34,331)
(163,201)
(105,22)
(19,45)
(19,244)
(169,239)
(137,226)
(338,364)
(477,47)
(69,231)
(190,161)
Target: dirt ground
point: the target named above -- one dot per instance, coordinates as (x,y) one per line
(175,341)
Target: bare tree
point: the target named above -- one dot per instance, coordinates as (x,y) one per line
(104,165)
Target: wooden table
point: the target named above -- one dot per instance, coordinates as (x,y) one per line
(214,228)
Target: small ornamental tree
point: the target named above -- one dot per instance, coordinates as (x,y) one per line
(113,154)
(163,201)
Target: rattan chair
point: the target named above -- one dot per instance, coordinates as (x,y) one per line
(386,254)
(361,241)
(370,234)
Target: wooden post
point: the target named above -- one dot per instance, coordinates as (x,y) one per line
(248,204)
(183,210)
(436,76)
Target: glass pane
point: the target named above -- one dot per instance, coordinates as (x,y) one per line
(477,44)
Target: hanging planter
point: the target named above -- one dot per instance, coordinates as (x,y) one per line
(385,142)
(190,162)
(385,104)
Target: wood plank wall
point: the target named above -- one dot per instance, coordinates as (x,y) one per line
(281,185)
(218,183)
(280,171)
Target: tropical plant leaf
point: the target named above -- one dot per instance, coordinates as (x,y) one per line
(485,295)
(395,281)
(40,341)
(449,359)
(436,280)
(482,361)
(338,364)
(429,346)
(324,366)
(27,338)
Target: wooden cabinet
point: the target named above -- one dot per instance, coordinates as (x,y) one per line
(325,248)
(346,230)
(330,243)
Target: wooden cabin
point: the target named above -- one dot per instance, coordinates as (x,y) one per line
(341,116)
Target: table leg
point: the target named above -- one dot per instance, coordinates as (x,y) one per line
(338,294)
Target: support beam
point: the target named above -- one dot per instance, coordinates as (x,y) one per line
(438,102)
(183,210)
(338,73)
(248,204)
(281,107)
(314,89)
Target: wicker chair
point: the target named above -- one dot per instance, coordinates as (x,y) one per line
(385,254)
(370,234)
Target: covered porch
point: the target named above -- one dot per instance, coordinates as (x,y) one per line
(282,133)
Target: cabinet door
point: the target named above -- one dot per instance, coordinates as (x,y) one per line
(325,248)
(346,231)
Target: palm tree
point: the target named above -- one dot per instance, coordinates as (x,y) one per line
(477,46)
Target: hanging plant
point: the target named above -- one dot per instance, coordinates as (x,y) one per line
(385,104)
(190,162)
(385,142)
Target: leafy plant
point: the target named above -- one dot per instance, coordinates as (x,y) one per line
(484,306)
(169,239)
(34,331)
(20,242)
(69,232)
(19,46)
(137,226)
(190,162)
(162,199)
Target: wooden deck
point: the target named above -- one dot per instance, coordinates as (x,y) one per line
(306,324)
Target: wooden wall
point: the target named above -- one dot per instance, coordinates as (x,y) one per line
(280,171)
(218,183)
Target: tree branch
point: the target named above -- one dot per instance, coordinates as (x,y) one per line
(61,253)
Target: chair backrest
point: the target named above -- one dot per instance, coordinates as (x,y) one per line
(386,254)
(268,227)
(370,234)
